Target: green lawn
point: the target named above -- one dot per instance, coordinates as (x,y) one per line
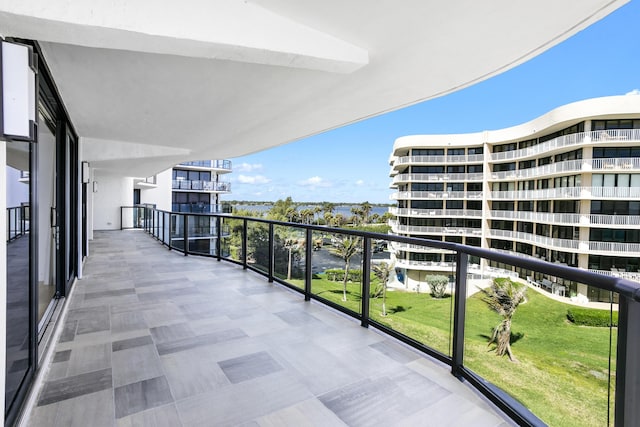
(562,370)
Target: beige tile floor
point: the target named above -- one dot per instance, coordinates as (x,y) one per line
(153,338)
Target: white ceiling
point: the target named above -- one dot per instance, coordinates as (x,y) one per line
(152,83)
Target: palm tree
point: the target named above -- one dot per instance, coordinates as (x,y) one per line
(316,211)
(357,215)
(383,272)
(503,297)
(346,247)
(328,207)
(292,244)
(328,218)
(365,208)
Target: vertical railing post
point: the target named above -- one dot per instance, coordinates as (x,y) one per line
(163,226)
(271,254)
(153,224)
(185,233)
(219,237)
(366,281)
(308,276)
(245,228)
(121,224)
(462,260)
(627,396)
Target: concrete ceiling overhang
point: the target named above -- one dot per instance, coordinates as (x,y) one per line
(152,83)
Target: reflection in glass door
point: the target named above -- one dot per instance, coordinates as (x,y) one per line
(48,242)
(20,341)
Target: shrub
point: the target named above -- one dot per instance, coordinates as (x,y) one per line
(591,317)
(337,275)
(438,285)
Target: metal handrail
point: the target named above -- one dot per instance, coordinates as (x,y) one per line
(628,350)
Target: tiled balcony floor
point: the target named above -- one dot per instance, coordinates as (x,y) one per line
(153,338)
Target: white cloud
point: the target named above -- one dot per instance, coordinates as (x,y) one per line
(315,182)
(359,183)
(633,92)
(247,167)
(257,179)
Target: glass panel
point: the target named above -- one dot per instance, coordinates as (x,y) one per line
(258,246)
(18,291)
(339,253)
(549,348)
(233,234)
(202,234)
(177,227)
(289,254)
(414,297)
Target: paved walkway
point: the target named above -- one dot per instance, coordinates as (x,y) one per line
(153,338)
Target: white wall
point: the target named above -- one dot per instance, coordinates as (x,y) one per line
(161,195)
(17,192)
(112,192)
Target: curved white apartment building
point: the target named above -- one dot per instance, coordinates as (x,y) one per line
(564,187)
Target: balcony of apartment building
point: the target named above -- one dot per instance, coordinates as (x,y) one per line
(146,183)
(202,186)
(218,166)
(153,334)
(561,143)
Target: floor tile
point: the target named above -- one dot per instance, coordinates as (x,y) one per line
(66,388)
(248,367)
(142,395)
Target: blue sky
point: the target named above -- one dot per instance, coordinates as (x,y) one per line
(350,164)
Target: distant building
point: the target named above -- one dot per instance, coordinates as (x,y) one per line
(193,187)
(564,188)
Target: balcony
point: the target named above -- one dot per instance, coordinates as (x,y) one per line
(567,141)
(624,164)
(417,195)
(568,193)
(435,213)
(150,334)
(437,160)
(201,186)
(223,166)
(436,177)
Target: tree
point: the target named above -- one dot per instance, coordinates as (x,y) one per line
(365,209)
(383,271)
(503,297)
(283,210)
(316,212)
(346,247)
(328,207)
(357,215)
(338,220)
(292,244)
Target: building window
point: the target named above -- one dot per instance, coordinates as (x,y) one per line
(455,152)
(512,146)
(427,169)
(475,150)
(474,168)
(615,152)
(427,152)
(504,167)
(424,186)
(615,124)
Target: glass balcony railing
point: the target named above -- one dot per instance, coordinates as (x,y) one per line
(17,222)
(539,359)
(186,184)
(214,164)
